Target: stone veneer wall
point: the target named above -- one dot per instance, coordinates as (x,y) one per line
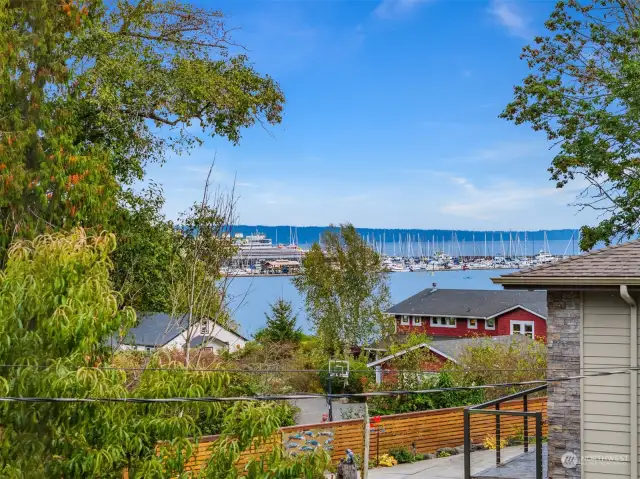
(563,341)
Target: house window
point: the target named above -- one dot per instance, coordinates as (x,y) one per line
(204,328)
(417,321)
(404,320)
(472,323)
(522,327)
(148,348)
(442,322)
(490,324)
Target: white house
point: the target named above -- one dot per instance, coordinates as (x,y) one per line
(160,330)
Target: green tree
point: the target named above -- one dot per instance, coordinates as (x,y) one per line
(91,93)
(346,291)
(583,92)
(281,324)
(147,245)
(57,311)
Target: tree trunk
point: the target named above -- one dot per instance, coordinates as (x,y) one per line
(347,471)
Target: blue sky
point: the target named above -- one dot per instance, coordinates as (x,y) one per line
(391,119)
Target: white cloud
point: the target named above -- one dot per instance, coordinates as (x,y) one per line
(504,151)
(497,200)
(510,16)
(395,8)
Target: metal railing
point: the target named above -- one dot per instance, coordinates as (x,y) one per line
(525,414)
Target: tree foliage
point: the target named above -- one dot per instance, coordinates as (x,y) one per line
(281,324)
(91,92)
(345,288)
(490,362)
(382,405)
(583,93)
(57,311)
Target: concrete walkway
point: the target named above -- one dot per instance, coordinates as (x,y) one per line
(451,467)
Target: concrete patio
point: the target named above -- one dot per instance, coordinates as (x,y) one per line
(451,467)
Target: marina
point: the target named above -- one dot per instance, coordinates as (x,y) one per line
(257,255)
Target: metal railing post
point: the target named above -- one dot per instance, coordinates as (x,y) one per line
(467,444)
(525,408)
(538,445)
(497,435)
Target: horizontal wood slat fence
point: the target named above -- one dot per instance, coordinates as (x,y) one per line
(429,431)
(425,431)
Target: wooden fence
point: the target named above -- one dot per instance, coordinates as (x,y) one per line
(428,431)
(424,432)
(334,437)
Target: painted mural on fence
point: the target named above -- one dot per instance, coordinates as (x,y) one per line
(309,440)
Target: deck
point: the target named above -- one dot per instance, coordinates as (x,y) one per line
(522,466)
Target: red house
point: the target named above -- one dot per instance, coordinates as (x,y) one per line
(458,313)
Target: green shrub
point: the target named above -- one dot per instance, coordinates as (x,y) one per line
(402,455)
(384,405)
(489,362)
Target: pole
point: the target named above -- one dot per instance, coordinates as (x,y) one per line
(329,398)
(538,445)
(367,439)
(497,435)
(525,408)
(467,445)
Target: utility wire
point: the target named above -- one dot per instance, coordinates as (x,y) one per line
(284,371)
(304,395)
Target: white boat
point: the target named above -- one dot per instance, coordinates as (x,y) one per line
(398,268)
(545,257)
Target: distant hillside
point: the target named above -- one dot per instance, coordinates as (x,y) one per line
(310,234)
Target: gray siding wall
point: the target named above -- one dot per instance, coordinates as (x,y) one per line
(606,401)
(563,340)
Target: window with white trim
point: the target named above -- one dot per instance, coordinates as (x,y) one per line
(204,328)
(490,324)
(522,327)
(148,348)
(405,320)
(443,322)
(417,321)
(472,323)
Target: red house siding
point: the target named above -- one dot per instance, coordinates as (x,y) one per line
(460,331)
(433,362)
(502,323)
(503,326)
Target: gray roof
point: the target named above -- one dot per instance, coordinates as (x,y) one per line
(157,329)
(153,329)
(453,349)
(618,264)
(470,303)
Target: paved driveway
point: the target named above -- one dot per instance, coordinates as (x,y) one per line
(451,467)
(311,410)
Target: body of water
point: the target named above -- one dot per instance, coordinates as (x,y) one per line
(252,296)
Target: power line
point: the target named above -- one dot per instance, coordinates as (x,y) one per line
(291,371)
(304,395)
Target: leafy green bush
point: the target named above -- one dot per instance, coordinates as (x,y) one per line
(489,362)
(402,455)
(422,402)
